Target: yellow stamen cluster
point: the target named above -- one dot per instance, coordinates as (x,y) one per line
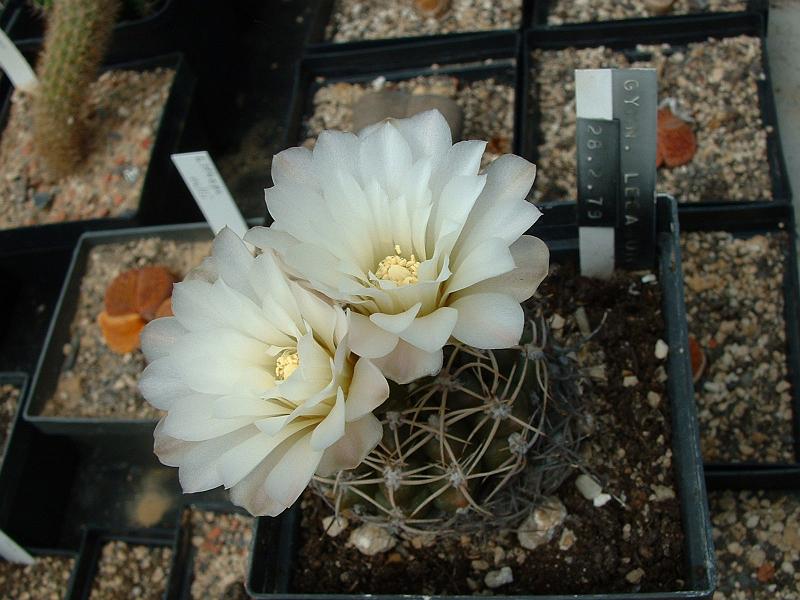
(403,271)
(286,365)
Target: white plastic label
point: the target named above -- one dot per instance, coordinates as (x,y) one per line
(14,65)
(210,192)
(13,552)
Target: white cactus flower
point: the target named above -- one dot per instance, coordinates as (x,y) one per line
(397,224)
(259,384)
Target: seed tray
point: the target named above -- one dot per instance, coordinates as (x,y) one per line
(495,56)
(91,549)
(675,31)
(743,223)
(321,16)
(541,11)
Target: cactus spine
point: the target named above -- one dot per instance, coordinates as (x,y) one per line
(78,32)
(491,432)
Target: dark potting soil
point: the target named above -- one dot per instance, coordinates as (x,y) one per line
(631,544)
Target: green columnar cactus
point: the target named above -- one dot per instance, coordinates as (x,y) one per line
(78,33)
(491,432)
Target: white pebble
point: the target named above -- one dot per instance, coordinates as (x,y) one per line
(333,525)
(371,540)
(653,399)
(635,576)
(588,487)
(540,526)
(494,579)
(662,349)
(630,381)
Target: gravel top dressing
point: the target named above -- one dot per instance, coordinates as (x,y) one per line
(757,537)
(581,11)
(101,383)
(734,302)
(714,82)
(221,544)
(46,579)
(487,106)
(131,571)
(9,401)
(354,20)
(610,548)
(125,110)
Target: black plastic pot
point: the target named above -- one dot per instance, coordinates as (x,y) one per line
(164,197)
(479,57)
(182,571)
(623,35)
(52,359)
(133,38)
(7,473)
(91,551)
(541,10)
(275,541)
(756,474)
(321,15)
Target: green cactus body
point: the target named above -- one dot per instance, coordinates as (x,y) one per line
(78,33)
(473,440)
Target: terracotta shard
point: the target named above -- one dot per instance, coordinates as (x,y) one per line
(120,298)
(432,8)
(121,332)
(154,286)
(698,358)
(676,141)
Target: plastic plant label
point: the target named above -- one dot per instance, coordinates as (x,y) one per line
(616,146)
(14,65)
(201,176)
(13,552)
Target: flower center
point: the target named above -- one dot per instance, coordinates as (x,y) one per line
(286,364)
(403,271)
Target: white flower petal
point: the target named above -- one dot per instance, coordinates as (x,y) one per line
(384,156)
(367,339)
(488,320)
(235,406)
(159,336)
(398,323)
(406,363)
(239,460)
(161,384)
(292,165)
(431,332)
(191,419)
(502,209)
(463,158)
(331,428)
(427,134)
(196,461)
(291,475)
(486,260)
(532,260)
(270,238)
(360,437)
(368,390)
(233,261)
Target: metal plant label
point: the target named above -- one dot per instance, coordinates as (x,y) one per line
(616,141)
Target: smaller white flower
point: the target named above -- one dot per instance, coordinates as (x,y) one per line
(398,224)
(258,381)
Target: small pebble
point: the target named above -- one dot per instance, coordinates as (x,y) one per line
(495,579)
(662,349)
(371,540)
(541,525)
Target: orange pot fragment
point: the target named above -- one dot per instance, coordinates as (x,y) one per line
(698,358)
(132,299)
(676,141)
(121,332)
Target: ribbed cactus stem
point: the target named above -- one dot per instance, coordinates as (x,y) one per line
(78,33)
(466,440)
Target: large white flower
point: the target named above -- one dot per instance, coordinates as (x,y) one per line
(260,387)
(397,223)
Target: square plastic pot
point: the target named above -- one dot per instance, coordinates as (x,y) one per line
(276,539)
